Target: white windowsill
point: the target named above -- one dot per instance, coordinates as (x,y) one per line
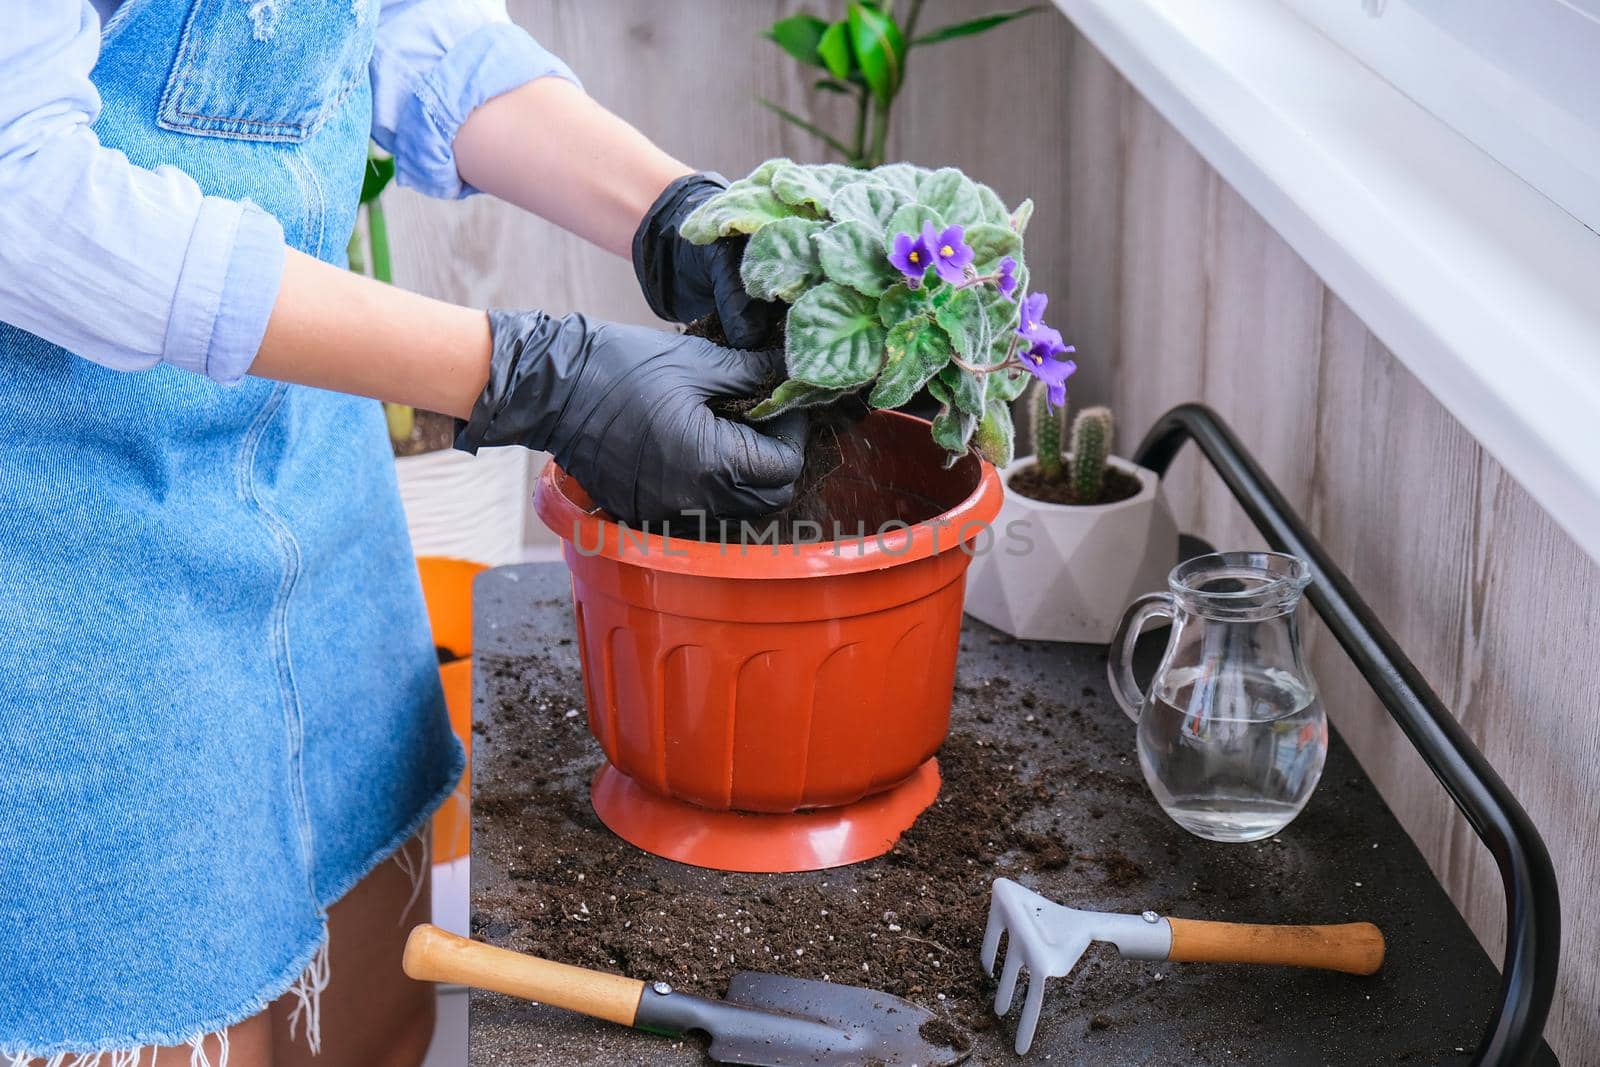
(1485,289)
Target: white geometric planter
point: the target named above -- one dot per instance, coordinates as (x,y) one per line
(466,507)
(1061,572)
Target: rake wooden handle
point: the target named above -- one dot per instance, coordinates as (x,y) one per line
(435,955)
(1355,948)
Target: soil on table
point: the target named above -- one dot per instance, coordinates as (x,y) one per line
(1031,482)
(430,432)
(909,924)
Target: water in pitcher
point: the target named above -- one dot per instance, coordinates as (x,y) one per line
(1234,755)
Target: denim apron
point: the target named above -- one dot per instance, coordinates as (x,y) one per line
(219,701)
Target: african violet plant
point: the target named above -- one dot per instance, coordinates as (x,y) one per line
(899,278)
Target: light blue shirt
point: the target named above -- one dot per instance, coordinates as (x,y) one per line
(131,267)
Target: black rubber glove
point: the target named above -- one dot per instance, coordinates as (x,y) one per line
(623,409)
(684,282)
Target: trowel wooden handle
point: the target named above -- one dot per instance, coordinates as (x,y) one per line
(435,955)
(1355,948)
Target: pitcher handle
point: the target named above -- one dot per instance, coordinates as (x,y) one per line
(1119,667)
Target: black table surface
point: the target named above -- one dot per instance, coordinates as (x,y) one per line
(1346,858)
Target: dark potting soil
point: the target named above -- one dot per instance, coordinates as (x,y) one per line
(430,432)
(1042,785)
(1031,483)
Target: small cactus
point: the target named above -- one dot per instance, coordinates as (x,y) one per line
(1047,433)
(1091,445)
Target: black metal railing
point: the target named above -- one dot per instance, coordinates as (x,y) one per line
(1532,898)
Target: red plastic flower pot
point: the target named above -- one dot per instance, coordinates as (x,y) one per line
(776,707)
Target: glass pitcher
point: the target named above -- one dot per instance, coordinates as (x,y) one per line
(1232,737)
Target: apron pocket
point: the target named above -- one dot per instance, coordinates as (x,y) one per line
(266,70)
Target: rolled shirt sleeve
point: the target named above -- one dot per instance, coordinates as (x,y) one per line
(434,62)
(126,266)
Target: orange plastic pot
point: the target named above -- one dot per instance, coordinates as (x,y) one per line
(777,707)
(447,591)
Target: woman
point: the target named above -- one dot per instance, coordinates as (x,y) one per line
(219,713)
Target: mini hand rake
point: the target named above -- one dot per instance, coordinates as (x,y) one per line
(1048,939)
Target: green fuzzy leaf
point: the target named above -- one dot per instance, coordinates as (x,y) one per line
(903,178)
(994,209)
(790,395)
(798,35)
(741,208)
(910,218)
(834,49)
(812,185)
(780,262)
(972,26)
(879,48)
(915,351)
(995,435)
(762,175)
(834,338)
(962,317)
(953,195)
(1006,385)
(990,244)
(1020,217)
(852,254)
(966,391)
(1003,313)
(871,202)
(952,429)
(899,302)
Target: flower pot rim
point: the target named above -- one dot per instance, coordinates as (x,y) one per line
(599,535)
(1149,483)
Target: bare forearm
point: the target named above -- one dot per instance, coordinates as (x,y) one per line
(550,149)
(337,330)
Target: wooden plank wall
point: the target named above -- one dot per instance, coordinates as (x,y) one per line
(1174,290)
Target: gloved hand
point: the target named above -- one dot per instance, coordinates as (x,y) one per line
(684,282)
(623,409)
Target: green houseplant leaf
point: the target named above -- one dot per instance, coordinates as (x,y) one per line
(799,35)
(794,394)
(1005,386)
(974,26)
(741,208)
(952,430)
(870,201)
(834,337)
(1019,218)
(910,218)
(903,178)
(966,391)
(994,209)
(812,186)
(995,434)
(780,261)
(990,244)
(852,254)
(834,49)
(915,351)
(953,195)
(899,302)
(962,318)
(879,48)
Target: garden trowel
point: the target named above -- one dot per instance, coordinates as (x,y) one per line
(765,1020)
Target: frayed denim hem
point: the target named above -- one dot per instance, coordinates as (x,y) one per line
(127,1051)
(306,976)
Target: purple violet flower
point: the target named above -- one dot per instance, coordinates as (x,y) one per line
(951,254)
(1043,363)
(1007,281)
(1032,327)
(911,257)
